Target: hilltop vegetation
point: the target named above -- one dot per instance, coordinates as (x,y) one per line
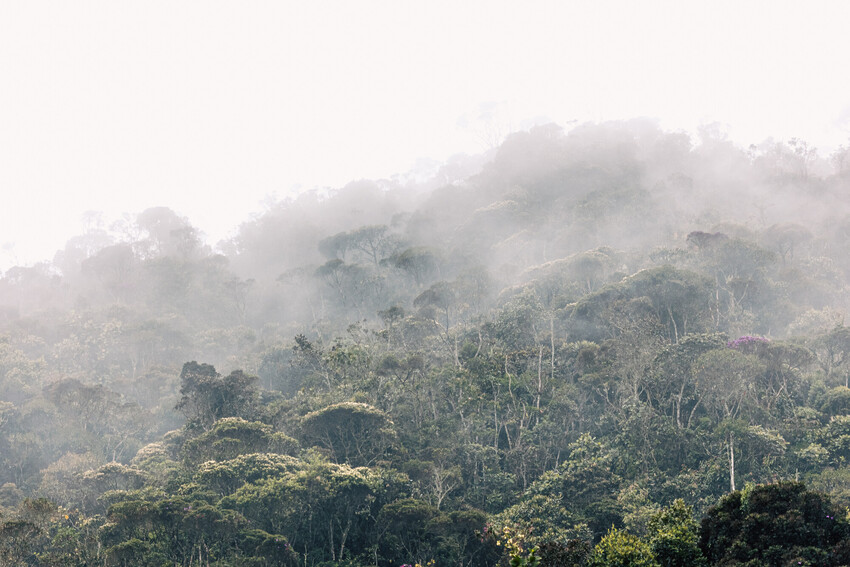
(582,343)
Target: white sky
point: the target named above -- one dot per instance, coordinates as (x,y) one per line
(209,106)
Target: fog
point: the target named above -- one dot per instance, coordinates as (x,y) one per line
(555,236)
(424,271)
(539,201)
(213,111)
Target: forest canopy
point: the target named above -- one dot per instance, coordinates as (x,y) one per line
(609,346)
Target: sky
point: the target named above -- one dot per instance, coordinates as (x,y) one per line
(215,107)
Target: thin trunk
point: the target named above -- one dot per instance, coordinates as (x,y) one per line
(457,358)
(539,383)
(331,534)
(508,437)
(496,427)
(693,411)
(552,346)
(675,327)
(679,405)
(344,536)
(732,461)
(716,302)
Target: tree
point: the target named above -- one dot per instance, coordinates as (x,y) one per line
(372,241)
(621,549)
(705,240)
(354,284)
(353,433)
(420,262)
(775,524)
(326,510)
(108,477)
(206,396)
(116,428)
(335,247)
(19,375)
(17,540)
(674,382)
(405,536)
(726,387)
(835,438)
(115,268)
(230,437)
(673,536)
(442,296)
(168,234)
(832,351)
(785,238)
(226,477)
(266,549)
(574,553)
(725,380)
(680,300)
(575,500)
(741,271)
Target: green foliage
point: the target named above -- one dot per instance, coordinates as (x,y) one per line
(533,345)
(621,549)
(228,476)
(353,433)
(515,547)
(266,549)
(775,524)
(322,507)
(206,396)
(573,553)
(673,537)
(574,501)
(230,437)
(419,262)
(405,523)
(678,300)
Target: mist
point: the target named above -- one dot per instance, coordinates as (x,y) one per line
(572,261)
(344,285)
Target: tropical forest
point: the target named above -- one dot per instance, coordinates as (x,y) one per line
(608,345)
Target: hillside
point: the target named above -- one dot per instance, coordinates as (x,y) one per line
(583,340)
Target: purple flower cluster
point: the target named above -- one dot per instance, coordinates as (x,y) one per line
(747,342)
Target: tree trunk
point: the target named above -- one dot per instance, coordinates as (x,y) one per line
(552,346)
(732,461)
(675,327)
(539,384)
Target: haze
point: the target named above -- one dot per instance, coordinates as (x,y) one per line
(215,109)
(384,284)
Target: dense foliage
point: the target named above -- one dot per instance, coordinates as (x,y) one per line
(568,352)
